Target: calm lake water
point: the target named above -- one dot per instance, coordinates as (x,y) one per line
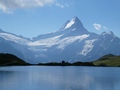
(59,78)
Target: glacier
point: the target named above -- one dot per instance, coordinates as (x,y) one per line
(72,42)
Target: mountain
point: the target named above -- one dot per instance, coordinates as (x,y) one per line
(9,59)
(73,27)
(108,60)
(106,43)
(71,43)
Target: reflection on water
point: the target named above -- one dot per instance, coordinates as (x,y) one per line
(59,78)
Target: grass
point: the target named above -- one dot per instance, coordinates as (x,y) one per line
(108,61)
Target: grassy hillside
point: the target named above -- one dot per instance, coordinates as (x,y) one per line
(108,60)
(9,59)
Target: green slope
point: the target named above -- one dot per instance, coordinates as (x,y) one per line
(9,59)
(108,60)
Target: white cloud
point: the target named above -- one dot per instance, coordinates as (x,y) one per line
(105,27)
(59,5)
(99,26)
(8,6)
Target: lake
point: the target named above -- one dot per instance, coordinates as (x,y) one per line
(59,78)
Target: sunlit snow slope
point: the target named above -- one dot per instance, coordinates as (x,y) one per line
(72,42)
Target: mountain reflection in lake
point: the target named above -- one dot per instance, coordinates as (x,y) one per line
(59,78)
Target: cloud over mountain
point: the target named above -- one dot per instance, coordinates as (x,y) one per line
(99,26)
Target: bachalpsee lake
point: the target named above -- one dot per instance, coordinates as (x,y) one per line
(59,78)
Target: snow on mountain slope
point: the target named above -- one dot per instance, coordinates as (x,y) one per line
(107,33)
(68,40)
(72,27)
(70,24)
(106,43)
(87,47)
(48,42)
(72,42)
(62,43)
(14,38)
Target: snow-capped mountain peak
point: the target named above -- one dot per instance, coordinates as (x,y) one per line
(73,27)
(72,42)
(69,24)
(110,33)
(72,22)
(107,33)
(75,21)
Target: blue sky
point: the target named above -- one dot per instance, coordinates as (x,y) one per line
(30,18)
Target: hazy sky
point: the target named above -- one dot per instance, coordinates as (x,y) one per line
(30,18)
